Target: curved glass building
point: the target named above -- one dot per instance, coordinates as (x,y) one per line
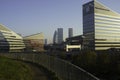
(34,42)
(10,41)
(55,37)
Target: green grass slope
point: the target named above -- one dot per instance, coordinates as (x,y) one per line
(14,70)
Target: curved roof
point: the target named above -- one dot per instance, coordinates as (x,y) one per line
(7,30)
(35,36)
(2,27)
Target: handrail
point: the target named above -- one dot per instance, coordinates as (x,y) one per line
(64,70)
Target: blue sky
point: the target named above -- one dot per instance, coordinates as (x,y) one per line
(33,16)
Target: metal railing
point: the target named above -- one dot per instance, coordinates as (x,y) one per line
(64,70)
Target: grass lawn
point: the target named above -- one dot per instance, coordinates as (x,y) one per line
(14,70)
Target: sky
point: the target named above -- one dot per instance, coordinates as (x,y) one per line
(28,17)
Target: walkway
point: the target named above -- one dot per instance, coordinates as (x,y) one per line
(38,72)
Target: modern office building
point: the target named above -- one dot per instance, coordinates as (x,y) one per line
(55,37)
(101,26)
(60,35)
(34,42)
(70,32)
(10,41)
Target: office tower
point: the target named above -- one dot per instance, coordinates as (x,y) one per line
(10,41)
(101,27)
(60,35)
(55,37)
(70,32)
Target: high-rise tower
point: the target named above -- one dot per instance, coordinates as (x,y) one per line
(70,32)
(60,35)
(101,26)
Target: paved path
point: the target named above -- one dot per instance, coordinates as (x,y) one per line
(38,72)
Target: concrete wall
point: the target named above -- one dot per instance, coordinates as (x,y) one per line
(63,69)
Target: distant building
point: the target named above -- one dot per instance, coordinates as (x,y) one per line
(60,35)
(101,26)
(10,41)
(55,37)
(74,43)
(70,32)
(34,42)
(45,42)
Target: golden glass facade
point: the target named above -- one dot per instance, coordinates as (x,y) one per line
(34,42)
